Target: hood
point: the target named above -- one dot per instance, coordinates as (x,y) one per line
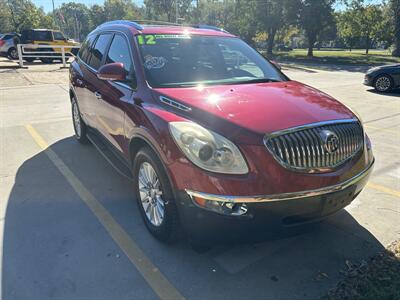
(385,67)
(264,107)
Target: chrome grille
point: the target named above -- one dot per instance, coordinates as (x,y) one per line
(316,147)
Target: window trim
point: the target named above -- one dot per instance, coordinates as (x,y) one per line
(130,50)
(105,50)
(89,47)
(130,55)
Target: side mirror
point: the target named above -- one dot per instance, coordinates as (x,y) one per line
(275,63)
(113,71)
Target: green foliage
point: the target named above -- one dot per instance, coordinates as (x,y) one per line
(395,8)
(264,21)
(73,19)
(167,10)
(366,22)
(314,15)
(24,14)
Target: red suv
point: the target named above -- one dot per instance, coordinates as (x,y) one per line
(213,136)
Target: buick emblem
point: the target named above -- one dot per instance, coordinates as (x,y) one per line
(331,141)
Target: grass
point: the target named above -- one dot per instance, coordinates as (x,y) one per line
(379,278)
(338,57)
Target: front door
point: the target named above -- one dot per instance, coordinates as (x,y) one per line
(115,95)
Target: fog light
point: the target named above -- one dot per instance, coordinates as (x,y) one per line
(225,208)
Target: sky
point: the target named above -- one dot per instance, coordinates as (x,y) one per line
(47,5)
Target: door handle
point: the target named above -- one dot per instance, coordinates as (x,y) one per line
(98,95)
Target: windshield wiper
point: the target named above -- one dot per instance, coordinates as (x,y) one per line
(256,80)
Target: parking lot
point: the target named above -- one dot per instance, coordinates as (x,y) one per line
(71,228)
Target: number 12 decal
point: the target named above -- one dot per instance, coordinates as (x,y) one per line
(146,39)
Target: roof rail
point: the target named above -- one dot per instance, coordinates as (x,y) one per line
(122,22)
(152,22)
(209,27)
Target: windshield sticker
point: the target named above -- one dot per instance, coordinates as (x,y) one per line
(154,62)
(151,39)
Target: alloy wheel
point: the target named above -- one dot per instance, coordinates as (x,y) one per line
(77,119)
(14,54)
(151,194)
(383,84)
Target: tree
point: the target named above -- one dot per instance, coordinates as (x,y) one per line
(395,5)
(5,17)
(346,25)
(97,15)
(274,15)
(121,10)
(165,10)
(23,14)
(314,15)
(73,19)
(270,16)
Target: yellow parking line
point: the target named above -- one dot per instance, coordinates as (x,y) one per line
(384,189)
(158,282)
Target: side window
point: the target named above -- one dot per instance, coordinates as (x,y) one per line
(42,35)
(98,50)
(119,52)
(85,49)
(58,36)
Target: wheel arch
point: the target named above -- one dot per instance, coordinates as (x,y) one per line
(139,141)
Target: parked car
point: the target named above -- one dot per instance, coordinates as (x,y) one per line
(383,78)
(227,152)
(47,37)
(284,48)
(8,45)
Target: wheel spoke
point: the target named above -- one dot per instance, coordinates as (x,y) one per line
(151,194)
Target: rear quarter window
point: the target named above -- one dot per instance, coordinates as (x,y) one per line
(84,52)
(98,50)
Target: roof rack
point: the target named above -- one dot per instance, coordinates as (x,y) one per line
(138,26)
(152,22)
(122,22)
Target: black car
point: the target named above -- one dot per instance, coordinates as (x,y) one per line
(384,78)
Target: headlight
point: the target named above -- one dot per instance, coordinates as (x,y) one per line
(208,150)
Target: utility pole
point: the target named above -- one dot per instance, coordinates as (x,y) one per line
(54,16)
(176,12)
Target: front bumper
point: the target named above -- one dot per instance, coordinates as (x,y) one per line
(368,80)
(268,215)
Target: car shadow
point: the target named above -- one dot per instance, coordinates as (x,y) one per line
(394,93)
(54,247)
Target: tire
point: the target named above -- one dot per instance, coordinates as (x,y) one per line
(29,59)
(155,197)
(47,60)
(383,83)
(12,53)
(80,127)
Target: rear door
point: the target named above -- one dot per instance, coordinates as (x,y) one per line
(116,94)
(91,84)
(79,81)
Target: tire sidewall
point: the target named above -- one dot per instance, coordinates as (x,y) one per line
(82,138)
(165,231)
(391,83)
(10,51)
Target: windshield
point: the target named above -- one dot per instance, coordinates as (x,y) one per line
(184,60)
